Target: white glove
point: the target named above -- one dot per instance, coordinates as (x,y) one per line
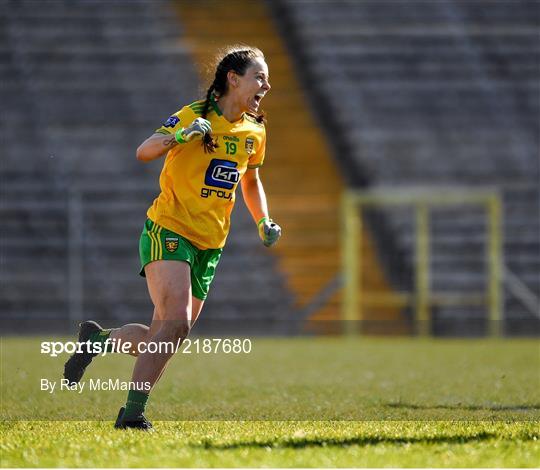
(197,129)
(269,231)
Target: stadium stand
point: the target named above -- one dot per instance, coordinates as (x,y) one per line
(300,174)
(409,93)
(439,93)
(82,85)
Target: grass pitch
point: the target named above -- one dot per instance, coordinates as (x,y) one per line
(290,402)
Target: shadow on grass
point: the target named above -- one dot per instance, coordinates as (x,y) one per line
(347,441)
(459,406)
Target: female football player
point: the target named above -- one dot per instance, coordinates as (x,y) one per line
(210,145)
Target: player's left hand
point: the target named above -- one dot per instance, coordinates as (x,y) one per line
(269,231)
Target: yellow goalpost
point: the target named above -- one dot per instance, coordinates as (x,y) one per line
(422,201)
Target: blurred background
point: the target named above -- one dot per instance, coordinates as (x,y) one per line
(402,162)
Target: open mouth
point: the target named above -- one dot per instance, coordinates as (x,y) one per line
(258,97)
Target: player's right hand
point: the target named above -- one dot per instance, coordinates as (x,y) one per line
(196,130)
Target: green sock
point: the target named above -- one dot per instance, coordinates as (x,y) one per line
(101,337)
(136,403)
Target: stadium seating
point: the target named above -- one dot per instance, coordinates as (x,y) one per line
(440,93)
(430,94)
(82,85)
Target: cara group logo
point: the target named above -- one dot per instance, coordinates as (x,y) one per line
(222,174)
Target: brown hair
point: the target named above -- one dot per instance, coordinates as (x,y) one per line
(237,59)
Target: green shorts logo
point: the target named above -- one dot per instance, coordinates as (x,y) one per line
(171,243)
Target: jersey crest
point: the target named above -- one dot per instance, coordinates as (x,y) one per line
(250,141)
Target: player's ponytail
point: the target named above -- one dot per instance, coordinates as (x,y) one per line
(209,144)
(237,59)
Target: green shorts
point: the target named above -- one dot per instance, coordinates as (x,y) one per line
(158,243)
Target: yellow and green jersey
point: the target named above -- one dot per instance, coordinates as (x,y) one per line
(197,188)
